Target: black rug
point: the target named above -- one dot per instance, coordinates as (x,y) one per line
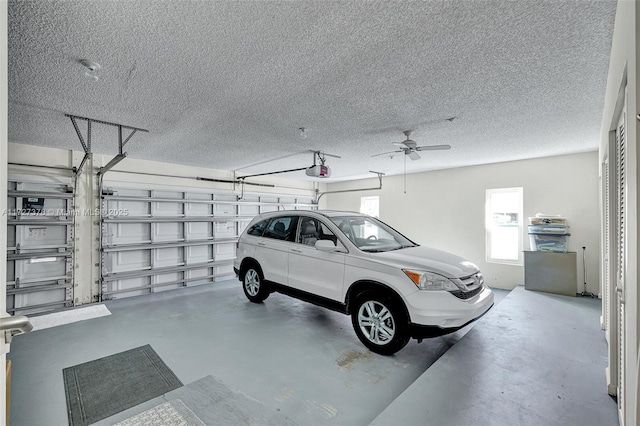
(103,387)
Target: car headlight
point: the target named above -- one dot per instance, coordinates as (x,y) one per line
(430,281)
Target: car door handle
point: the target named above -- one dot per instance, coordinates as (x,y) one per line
(296,251)
(262,244)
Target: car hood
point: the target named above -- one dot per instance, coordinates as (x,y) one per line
(428,259)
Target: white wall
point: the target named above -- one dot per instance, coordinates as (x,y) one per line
(625,51)
(445,209)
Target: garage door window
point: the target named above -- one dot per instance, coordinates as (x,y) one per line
(503,220)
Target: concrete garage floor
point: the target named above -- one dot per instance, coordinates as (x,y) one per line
(293,357)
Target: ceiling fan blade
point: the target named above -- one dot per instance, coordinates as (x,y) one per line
(413,155)
(387,153)
(433,148)
(400,144)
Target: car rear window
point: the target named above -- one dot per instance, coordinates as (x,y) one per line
(282,228)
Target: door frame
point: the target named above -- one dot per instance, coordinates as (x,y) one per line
(4,112)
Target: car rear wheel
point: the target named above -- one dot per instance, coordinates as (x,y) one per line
(380,324)
(253,285)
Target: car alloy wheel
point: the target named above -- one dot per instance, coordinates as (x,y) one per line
(376,322)
(254,286)
(380,322)
(252,282)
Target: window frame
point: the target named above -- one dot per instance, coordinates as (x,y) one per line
(490,226)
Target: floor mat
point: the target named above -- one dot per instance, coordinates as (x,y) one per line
(170,413)
(100,388)
(211,402)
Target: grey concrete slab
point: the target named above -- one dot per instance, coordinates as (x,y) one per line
(536,359)
(291,356)
(212,402)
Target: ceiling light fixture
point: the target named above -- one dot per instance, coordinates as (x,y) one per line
(93,69)
(303,133)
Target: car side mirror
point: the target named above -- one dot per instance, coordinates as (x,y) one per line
(329,246)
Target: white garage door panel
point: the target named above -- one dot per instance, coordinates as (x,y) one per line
(166,194)
(39,298)
(269,208)
(242,224)
(131,192)
(27,270)
(204,273)
(225,251)
(197,209)
(224,272)
(199,254)
(225,229)
(168,257)
(199,230)
(224,210)
(168,231)
(132,260)
(133,285)
(249,209)
(132,208)
(40,235)
(173,277)
(128,233)
(166,209)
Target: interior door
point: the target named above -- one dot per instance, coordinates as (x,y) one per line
(620,260)
(606,248)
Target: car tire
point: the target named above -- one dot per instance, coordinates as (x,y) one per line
(380,323)
(253,284)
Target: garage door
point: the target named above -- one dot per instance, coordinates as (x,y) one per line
(39,243)
(165,238)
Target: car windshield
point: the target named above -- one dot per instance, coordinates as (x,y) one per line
(370,234)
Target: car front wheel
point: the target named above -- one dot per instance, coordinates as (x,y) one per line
(253,285)
(380,324)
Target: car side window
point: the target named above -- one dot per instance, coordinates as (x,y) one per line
(312,230)
(327,234)
(345,227)
(282,228)
(308,234)
(258,228)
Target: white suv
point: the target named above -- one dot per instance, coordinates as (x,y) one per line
(352,263)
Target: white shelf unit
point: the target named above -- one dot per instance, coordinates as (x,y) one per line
(40,245)
(172,238)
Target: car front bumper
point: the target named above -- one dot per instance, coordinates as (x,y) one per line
(435,313)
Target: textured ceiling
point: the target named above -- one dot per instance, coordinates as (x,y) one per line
(227,84)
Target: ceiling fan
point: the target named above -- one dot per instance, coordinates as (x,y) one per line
(410,147)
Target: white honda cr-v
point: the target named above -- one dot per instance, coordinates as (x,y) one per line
(352,263)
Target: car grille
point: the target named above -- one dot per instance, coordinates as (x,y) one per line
(464,295)
(474,284)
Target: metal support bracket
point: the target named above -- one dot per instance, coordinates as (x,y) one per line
(87,146)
